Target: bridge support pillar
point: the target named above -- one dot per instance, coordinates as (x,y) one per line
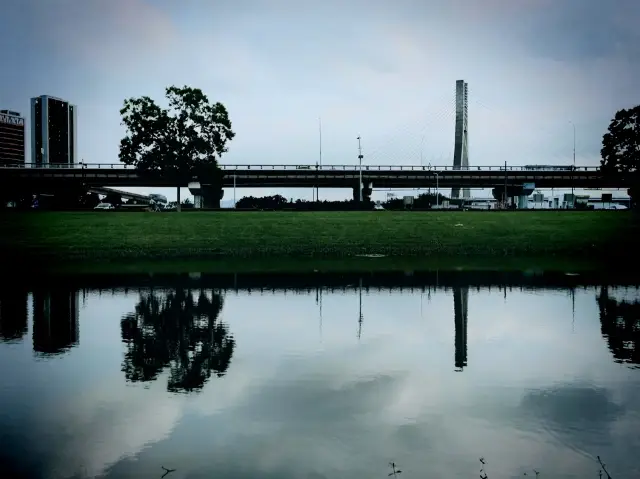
(205,196)
(367,188)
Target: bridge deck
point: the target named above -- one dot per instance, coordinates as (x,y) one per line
(329,176)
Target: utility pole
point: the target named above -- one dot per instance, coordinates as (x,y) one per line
(360,158)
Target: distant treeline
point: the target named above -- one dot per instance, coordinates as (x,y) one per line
(279,202)
(80,199)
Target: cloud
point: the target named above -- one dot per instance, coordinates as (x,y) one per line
(111,37)
(578,31)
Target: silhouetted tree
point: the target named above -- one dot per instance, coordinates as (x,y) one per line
(620,326)
(185,139)
(274,202)
(172,330)
(422,201)
(621,148)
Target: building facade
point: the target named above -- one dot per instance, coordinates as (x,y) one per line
(53,131)
(11,138)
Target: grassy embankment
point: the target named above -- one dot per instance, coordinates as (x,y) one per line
(476,236)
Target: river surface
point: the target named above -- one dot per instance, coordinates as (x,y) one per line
(446,375)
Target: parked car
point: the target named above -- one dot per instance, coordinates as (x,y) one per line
(104,206)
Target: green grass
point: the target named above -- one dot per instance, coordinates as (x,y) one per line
(149,236)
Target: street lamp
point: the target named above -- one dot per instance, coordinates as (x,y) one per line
(574,159)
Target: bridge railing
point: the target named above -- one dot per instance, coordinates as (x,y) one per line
(323,168)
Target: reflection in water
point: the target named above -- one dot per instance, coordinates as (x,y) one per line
(620,326)
(339,402)
(55,321)
(172,330)
(360,316)
(460,303)
(13,315)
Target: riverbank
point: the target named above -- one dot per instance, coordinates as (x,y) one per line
(113,236)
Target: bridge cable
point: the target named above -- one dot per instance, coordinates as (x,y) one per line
(415,138)
(546,132)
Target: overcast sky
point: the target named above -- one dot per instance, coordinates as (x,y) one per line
(385,70)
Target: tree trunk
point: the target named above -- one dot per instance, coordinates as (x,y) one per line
(178,205)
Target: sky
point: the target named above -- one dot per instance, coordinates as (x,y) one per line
(382,70)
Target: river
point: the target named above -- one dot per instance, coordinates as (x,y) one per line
(439,374)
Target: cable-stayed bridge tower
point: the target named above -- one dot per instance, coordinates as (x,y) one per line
(461,145)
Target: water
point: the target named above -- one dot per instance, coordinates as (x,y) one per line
(320,376)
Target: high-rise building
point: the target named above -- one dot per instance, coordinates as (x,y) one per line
(11,138)
(53,131)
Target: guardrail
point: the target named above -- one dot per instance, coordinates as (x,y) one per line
(245,167)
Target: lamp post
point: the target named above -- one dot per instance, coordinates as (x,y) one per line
(360,159)
(574,160)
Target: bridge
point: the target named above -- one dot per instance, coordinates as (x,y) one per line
(509,181)
(325,176)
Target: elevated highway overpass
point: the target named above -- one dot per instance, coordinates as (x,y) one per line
(125,195)
(325,176)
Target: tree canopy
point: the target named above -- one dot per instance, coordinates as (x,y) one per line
(188,137)
(621,144)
